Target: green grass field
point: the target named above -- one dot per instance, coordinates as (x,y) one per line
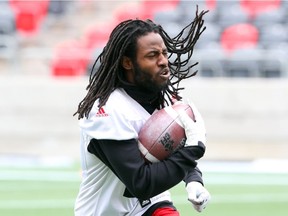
(52,191)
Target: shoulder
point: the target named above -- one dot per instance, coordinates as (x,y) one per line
(120,118)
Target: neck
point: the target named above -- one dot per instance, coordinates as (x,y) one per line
(141,95)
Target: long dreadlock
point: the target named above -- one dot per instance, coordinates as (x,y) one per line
(123,42)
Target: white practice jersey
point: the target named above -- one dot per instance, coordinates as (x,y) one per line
(101,192)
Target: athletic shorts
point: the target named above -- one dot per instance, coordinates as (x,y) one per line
(164,208)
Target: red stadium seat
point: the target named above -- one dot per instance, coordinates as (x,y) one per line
(132,12)
(70,59)
(154,6)
(97,35)
(40,7)
(27,22)
(211,4)
(238,36)
(29,14)
(253,8)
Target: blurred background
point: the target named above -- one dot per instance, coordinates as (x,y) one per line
(47,49)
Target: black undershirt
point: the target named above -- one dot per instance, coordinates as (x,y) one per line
(147,99)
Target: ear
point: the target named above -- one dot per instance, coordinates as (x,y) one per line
(127,63)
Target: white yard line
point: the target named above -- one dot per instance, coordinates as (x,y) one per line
(37,204)
(245,179)
(255,172)
(212,178)
(178,200)
(36,175)
(268,166)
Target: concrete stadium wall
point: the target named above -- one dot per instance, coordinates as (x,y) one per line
(245,118)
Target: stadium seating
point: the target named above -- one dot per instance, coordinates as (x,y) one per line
(254,8)
(70,59)
(238,65)
(234,14)
(211,4)
(7,20)
(172,29)
(168,16)
(231,26)
(97,35)
(210,37)
(271,68)
(242,35)
(132,12)
(210,62)
(272,35)
(186,11)
(96,52)
(29,15)
(270,17)
(57,7)
(158,5)
(233,29)
(8,47)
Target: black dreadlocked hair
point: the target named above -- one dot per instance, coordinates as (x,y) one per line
(123,42)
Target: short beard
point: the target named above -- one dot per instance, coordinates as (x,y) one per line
(144,81)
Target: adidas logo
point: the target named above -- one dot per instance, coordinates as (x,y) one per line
(101,113)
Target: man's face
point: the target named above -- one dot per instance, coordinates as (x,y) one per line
(151,70)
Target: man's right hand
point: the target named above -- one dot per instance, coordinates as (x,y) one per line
(195,130)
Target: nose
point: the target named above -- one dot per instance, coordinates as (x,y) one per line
(163,60)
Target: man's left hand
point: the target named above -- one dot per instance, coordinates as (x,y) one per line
(198,195)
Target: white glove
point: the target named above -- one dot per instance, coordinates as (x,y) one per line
(197,195)
(195,130)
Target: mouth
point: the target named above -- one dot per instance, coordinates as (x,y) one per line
(165,73)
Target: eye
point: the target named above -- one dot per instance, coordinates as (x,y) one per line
(165,53)
(153,54)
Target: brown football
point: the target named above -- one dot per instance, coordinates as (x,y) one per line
(163,133)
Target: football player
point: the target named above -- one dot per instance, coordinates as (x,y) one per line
(135,77)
